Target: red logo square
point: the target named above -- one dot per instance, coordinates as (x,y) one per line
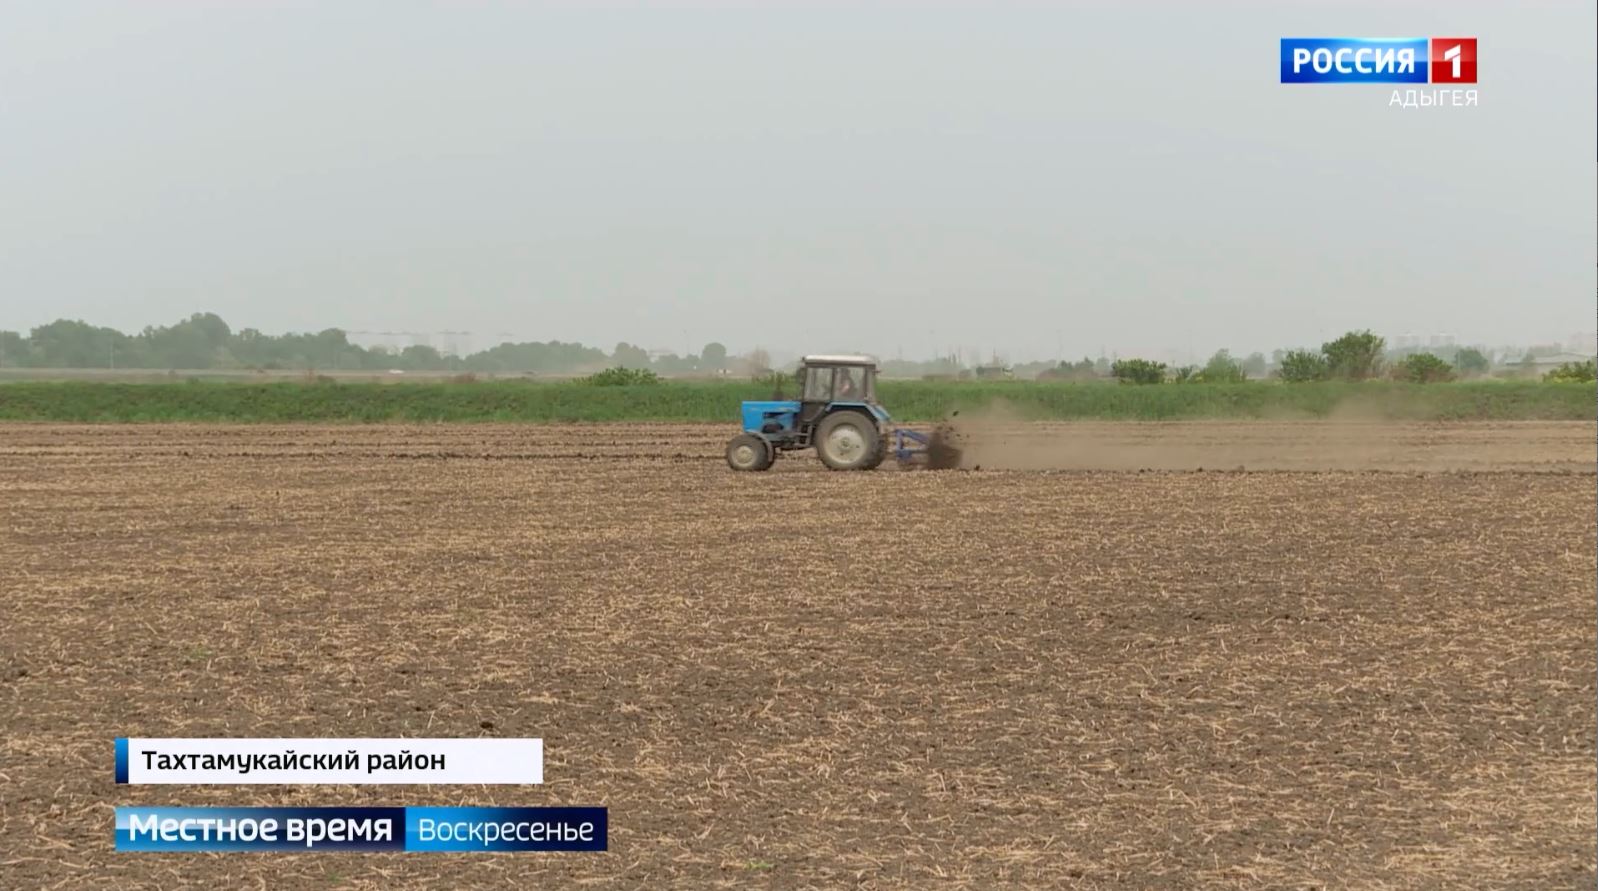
(1453,60)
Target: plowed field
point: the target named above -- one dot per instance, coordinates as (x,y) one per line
(1366,660)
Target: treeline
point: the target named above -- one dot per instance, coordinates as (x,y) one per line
(204,341)
(1356,356)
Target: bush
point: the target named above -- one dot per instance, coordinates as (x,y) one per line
(1573,373)
(621,377)
(1069,371)
(1423,368)
(1302,366)
(1471,361)
(1356,356)
(1222,369)
(1138,371)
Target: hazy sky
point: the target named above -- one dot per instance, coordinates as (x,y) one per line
(818,176)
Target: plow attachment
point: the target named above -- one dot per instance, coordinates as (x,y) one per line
(934,451)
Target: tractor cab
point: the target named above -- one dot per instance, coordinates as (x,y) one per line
(826,381)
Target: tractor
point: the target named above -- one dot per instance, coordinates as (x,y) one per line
(837,414)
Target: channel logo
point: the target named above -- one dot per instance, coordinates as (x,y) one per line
(1453,60)
(1381,60)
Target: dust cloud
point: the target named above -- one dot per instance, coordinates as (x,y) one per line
(998,437)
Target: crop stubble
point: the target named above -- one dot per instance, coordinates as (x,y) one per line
(1270,679)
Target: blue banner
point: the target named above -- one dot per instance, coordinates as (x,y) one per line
(1354,60)
(505,828)
(361,829)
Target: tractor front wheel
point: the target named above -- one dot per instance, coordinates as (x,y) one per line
(747,451)
(848,440)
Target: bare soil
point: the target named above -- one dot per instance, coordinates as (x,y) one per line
(1350,672)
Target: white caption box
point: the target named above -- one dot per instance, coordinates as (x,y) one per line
(330,761)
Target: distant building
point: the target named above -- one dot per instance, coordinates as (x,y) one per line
(1542,364)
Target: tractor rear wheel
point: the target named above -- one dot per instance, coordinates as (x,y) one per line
(848,440)
(879,455)
(747,451)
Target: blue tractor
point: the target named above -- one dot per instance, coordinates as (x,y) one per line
(837,414)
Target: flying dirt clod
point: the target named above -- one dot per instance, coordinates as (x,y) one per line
(943,449)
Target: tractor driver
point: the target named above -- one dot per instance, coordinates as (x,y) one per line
(846,388)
